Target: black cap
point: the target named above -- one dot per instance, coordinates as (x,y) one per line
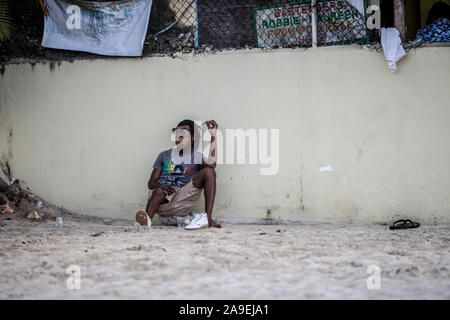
(189,123)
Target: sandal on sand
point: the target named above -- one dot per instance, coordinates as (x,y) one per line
(404,224)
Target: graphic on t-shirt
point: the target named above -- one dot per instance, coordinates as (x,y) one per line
(168,166)
(177,175)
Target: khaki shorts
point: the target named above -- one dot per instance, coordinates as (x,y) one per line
(181,202)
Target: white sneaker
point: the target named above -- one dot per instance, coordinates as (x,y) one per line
(143,219)
(200,221)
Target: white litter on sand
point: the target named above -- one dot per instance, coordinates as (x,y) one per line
(124,261)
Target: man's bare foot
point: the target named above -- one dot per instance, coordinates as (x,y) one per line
(213,224)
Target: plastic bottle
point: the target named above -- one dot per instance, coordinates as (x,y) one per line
(59,222)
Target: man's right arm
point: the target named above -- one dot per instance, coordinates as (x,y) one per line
(154,178)
(153,183)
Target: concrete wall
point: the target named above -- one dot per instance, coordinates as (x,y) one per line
(85,134)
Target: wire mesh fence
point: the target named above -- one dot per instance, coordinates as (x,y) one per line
(173,26)
(196,25)
(223,24)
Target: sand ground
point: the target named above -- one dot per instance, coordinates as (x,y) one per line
(120,260)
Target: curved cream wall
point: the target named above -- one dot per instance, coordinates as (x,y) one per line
(85,134)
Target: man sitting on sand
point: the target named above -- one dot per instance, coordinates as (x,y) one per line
(178,177)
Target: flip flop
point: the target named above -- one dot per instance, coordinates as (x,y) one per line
(404,224)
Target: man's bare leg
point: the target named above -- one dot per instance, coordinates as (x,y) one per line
(144,218)
(157,198)
(206,179)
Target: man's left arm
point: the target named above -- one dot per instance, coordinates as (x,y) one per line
(212,158)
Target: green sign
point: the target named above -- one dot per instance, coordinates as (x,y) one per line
(338,21)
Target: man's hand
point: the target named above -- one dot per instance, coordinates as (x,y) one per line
(168,189)
(212,127)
